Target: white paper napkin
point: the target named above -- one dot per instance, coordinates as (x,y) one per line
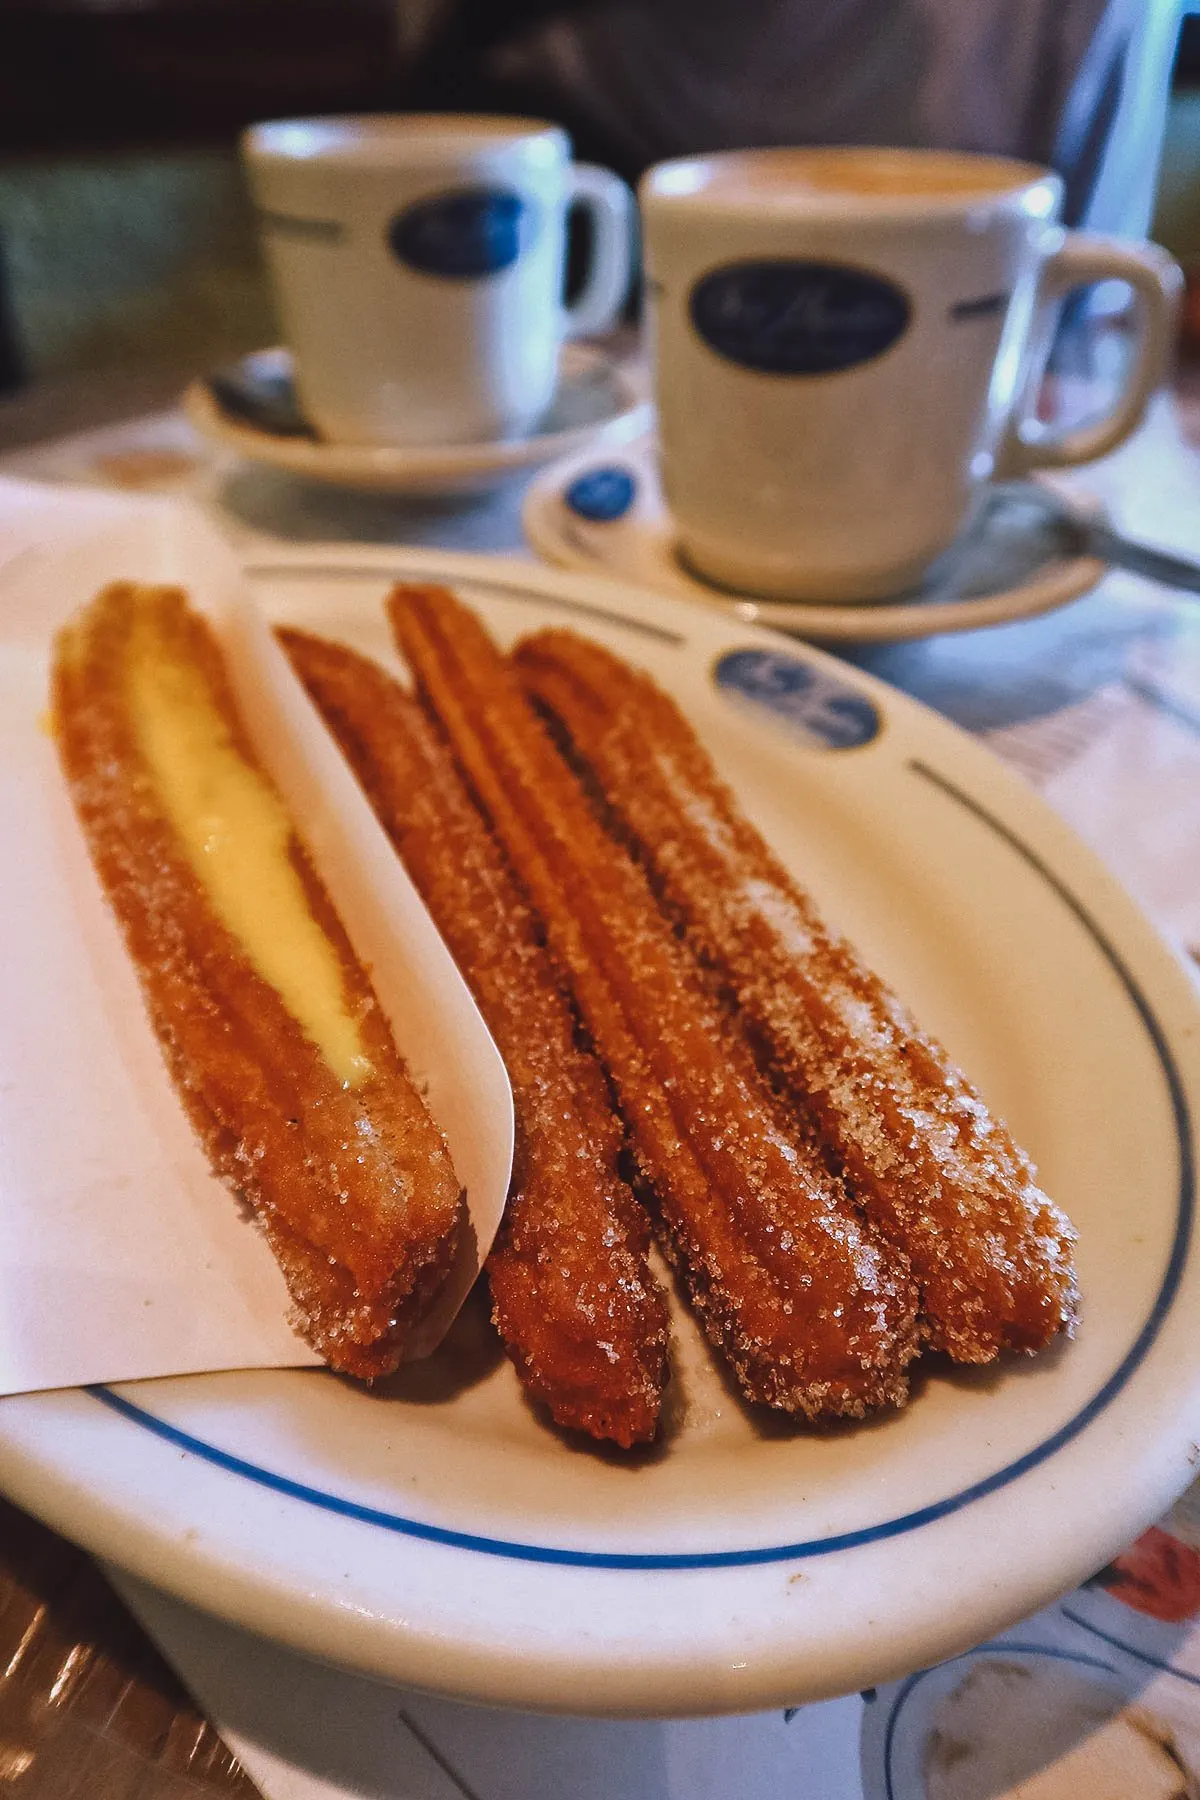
(121,1256)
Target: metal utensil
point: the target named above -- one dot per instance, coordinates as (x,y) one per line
(1093,536)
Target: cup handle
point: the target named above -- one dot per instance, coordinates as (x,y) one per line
(610,204)
(1082,259)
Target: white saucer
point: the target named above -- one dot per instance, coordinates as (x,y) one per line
(606,513)
(251,408)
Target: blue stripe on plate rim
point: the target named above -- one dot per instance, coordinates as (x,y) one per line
(847,1540)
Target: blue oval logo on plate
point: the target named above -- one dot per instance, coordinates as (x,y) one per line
(798,318)
(463,235)
(602,495)
(828,713)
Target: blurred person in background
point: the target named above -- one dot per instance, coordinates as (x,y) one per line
(1079,84)
(127,239)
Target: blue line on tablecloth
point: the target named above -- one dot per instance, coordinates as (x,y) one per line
(846,1540)
(1169,705)
(1142,1656)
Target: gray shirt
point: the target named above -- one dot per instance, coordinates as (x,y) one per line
(1081,84)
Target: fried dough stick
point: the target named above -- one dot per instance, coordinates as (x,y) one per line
(814,1315)
(583,1318)
(270,1029)
(935,1171)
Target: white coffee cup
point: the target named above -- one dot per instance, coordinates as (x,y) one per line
(418,266)
(844,346)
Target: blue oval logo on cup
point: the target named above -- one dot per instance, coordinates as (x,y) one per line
(787,317)
(464,235)
(829,714)
(602,495)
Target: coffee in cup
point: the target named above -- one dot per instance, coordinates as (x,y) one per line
(418,265)
(844,342)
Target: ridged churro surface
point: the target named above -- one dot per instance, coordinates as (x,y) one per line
(815,1314)
(316,1124)
(937,1174)
(581,1314)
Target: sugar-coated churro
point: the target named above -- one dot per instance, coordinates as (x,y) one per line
(814,1313)
(581,1314)
(270,1029)
(936,1173)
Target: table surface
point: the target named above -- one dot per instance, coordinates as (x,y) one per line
(88,1706)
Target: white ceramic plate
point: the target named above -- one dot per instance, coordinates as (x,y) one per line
(603,510)
(440,1534)
(599,400)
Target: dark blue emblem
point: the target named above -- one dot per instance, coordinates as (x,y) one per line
(602,495)
(798,318)
(828,713)
(463,235)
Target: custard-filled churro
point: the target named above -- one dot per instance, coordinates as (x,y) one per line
(581,1314)
(272,1034)
(815,1313)
(935,1173)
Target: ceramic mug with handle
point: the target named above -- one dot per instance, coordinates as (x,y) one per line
(418,264)
(844,342)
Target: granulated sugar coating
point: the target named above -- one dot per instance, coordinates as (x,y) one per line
(936,1175)
(814,1310)
(583,1318)
(305,1109)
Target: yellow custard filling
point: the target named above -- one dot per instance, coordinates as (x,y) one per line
(236,836)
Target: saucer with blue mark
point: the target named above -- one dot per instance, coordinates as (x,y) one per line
(251,407)
(604,511)
(1044,1711)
